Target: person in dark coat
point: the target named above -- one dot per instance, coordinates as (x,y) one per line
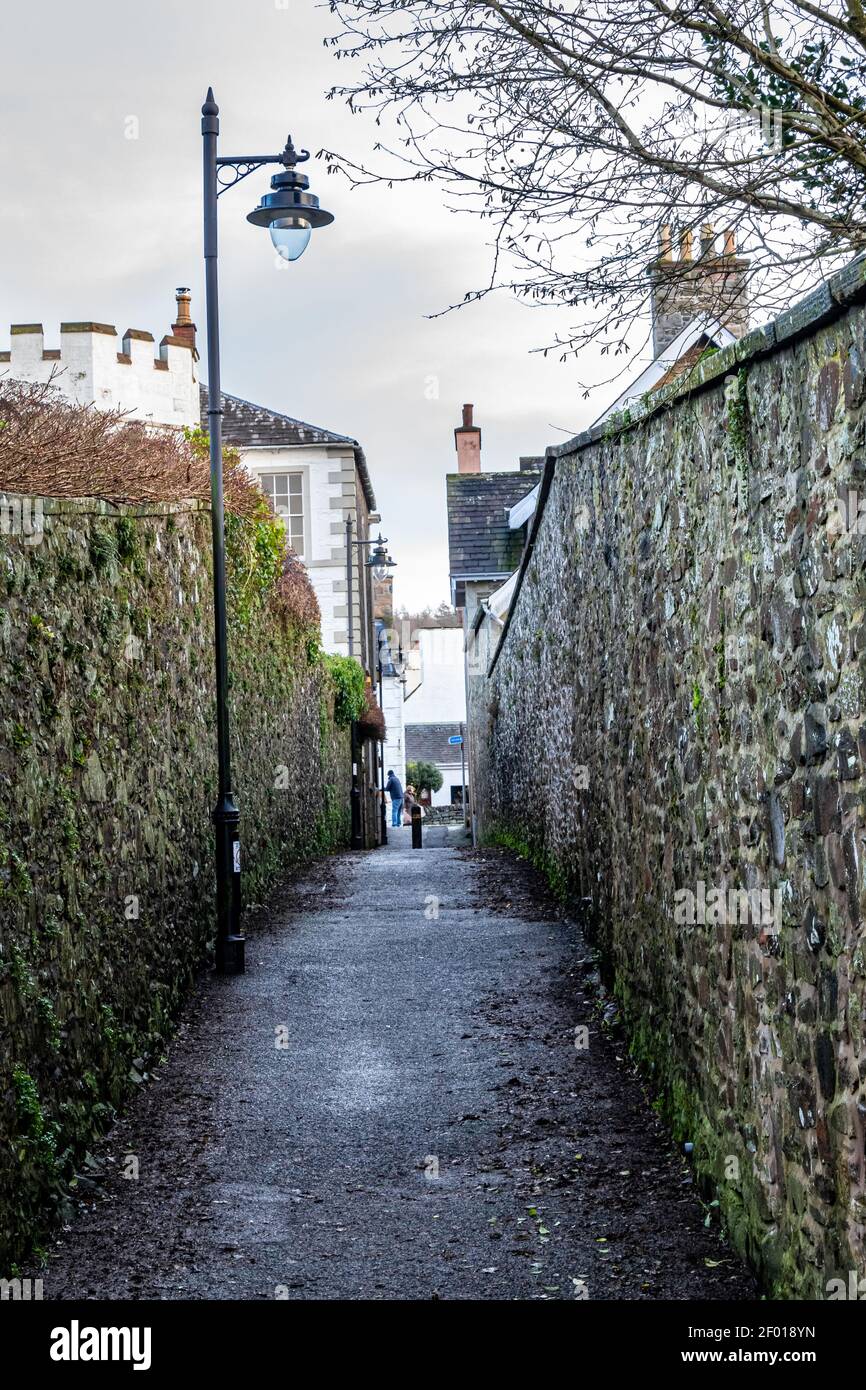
(394,788)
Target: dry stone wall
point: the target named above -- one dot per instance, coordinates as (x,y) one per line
(107,783)
(675,729)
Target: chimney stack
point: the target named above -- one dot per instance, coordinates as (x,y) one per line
(467,441)
(708,239)
(711,284)
(183,329)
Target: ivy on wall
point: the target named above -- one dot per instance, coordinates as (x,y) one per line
(347,677)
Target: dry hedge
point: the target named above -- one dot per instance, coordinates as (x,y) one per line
(294,595)
(371,721)
(51,447)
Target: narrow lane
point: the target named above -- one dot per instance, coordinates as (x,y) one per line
(390,1105)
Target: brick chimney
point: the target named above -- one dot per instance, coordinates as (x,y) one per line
(183,329)
(715,283)
(467,441)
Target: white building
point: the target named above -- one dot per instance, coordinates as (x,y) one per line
(435,707)
(316,480)
(393,691)
(93,367)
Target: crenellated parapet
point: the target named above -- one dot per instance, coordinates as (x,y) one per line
(94,366)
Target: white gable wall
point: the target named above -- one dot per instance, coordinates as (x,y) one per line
(328,474)
(395,740)
(440,697)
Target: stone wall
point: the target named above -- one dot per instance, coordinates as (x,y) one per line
(677,709)
(107,782)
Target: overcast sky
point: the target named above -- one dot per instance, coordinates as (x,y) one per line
(99,226)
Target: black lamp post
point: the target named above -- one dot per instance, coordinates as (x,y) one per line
(396,666)
(291,213)
(379,562)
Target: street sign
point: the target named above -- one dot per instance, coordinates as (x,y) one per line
(455,738)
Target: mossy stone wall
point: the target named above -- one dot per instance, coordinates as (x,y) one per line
(680,699)
(107,783)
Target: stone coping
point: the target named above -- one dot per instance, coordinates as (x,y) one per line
(97,506)
(830,300)
(89,327)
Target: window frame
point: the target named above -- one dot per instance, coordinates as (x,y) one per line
(274,471)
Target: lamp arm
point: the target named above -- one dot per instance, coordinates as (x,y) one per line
(239,168)
(241,165)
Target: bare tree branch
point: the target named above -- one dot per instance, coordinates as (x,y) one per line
(577,129)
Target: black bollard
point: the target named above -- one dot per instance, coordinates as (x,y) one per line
(416,827)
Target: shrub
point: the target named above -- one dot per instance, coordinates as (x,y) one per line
(51,447)
(423,777)
(347,676)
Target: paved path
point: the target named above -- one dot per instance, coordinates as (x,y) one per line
(389,1105)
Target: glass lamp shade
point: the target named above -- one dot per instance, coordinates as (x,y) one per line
(290,236)
(380,572)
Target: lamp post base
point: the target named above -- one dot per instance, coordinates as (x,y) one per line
(357,837)
(230,940)
(230,955)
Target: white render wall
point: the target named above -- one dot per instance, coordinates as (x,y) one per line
(86,370)
(157,385)
(328,473)
(451,775)
(439,685)
(395,740)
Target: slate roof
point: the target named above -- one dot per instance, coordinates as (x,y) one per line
(429,743)
(684,364)
(249,426)
(481,544)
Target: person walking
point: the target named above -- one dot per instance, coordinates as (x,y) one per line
(394,788)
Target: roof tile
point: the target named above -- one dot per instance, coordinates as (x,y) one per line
(480,541)
(249,426)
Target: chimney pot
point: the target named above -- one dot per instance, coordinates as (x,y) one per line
(708,239)
(665,242)
(183,327)
(730,242)
(467,442)
(183,301)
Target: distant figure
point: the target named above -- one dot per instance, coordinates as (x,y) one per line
(409,800)
(394,788)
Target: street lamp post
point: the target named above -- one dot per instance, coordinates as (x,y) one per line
(384,813)
(291,213)
(398,667)
(379,563)
(383,642)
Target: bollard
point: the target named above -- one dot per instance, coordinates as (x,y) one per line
(416,827)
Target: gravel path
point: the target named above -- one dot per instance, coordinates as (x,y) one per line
(390,1105)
